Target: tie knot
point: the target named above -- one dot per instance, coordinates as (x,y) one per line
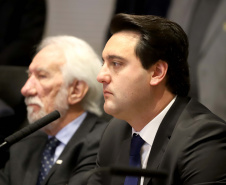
(53,141)
(136,144)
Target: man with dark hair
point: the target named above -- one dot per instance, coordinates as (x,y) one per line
(145,79)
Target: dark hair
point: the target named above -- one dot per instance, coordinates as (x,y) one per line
(161,39)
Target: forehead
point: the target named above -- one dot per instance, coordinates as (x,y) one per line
(49,58)
(123,40)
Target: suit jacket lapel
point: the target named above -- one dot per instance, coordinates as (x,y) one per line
(84,129)
(164,133)
(32,173)
(124,152)
(122,158)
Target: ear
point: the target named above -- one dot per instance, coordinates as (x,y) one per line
(158,72)
(77,91)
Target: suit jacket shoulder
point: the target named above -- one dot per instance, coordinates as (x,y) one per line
(194,151)
(189,144)
(78,156)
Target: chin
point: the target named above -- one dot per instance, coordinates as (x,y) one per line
(113,111)
(34,115)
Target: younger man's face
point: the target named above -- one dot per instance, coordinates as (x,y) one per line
(126,86)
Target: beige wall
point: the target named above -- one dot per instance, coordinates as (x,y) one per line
(86,19)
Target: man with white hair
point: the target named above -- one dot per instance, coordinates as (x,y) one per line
(61,76)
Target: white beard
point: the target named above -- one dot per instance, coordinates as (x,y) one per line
(60,104)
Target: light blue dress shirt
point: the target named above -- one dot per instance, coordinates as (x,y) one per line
(66,133)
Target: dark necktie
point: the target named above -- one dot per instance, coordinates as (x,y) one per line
(135,158)
(47,158)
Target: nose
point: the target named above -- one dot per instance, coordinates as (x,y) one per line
(29,87)
(104,76)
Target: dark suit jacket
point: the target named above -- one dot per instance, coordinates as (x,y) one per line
(190,145)
(78,156)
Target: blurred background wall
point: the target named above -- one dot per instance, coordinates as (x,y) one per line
(203,20)
(86,19)
(24,23)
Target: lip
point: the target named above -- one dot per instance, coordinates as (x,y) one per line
(33,105)
(105,92)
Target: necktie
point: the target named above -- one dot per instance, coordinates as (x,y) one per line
(47,158)
(135,158)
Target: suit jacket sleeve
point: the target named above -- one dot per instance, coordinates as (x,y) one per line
(191,148)
(114,150)
(196,149)
(87,157)
(78,157)
(202,159)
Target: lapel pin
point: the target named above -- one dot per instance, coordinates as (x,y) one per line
(59,161)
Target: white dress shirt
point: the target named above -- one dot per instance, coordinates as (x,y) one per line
(148,134)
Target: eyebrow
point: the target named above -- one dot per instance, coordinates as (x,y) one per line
(110,57)
(37,70)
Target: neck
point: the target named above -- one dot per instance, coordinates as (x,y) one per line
(140,119)
(54,127)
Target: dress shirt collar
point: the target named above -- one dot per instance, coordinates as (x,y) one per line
(149,131)
(65,134)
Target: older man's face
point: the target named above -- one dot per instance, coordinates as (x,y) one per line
(44,90)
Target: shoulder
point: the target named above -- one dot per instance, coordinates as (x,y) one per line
(197,140)
(197,113)
(30,145)
(198,128)
(31,140)
(95,122)
(91,129)
(116,132)
(197,125)
(117,127)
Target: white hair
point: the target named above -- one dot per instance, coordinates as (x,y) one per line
(82,63)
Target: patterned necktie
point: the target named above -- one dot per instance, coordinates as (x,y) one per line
(135,158)
(47,158)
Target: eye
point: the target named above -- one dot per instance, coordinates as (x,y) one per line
(41,76)
(116,64)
